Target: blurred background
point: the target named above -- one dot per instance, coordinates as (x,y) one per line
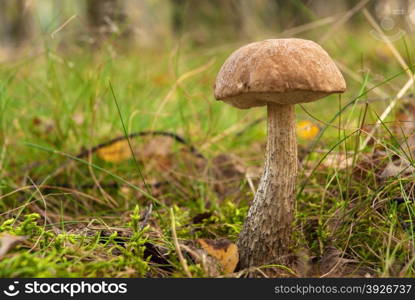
(61,54)
(24,24)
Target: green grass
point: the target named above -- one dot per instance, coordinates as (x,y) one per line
(83,217)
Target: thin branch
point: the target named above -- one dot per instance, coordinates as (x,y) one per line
(177,246)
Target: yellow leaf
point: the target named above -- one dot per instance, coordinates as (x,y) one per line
(116,152)
(384,52)
(224,251)
(307,130)
(161,79)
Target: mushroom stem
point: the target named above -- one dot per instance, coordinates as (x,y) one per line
(266,235)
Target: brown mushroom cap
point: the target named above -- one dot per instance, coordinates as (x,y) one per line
(282,71)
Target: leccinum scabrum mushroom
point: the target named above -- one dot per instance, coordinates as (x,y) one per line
(277,73)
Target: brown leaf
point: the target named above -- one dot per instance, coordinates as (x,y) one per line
(338,161)
(159,255)
(405,125)
(224,251)
(227,173)
(8,242)
(157,152)
(161,79)
(78,118)
(369,164)
(202,216)
(157,146)
(42,126)
(303,263)
(253,172)
(404,128)
(398,167)
(209,264)
(405,119)
(332,263)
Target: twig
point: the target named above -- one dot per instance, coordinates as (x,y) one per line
(45,215)
(173,135)
(250,125)
(343,20)
(399,96)
(410,96)
(309,26)
(52,35)
(146,216)
(179,80)
(355,76)
(94,149)
(177,246)
(231,130)
(370,100)
(388,42)
(140,173)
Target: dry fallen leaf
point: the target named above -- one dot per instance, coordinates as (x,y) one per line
(307,130)
(384,52)
(405,125)
(209,264)
(8,242)
(227,172)
(157,152)
(332,262)
(400,167)
(224,251)
(157,146)
(43,126)
(161,79)
(338,161)
(116,152)
(78,118)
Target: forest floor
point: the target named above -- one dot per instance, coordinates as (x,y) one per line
(75,202)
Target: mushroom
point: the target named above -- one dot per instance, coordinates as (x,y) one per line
(277,73)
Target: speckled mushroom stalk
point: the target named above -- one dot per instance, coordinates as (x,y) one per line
(268,227)
(277,73)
